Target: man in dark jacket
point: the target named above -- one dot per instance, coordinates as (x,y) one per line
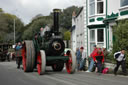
(121,60)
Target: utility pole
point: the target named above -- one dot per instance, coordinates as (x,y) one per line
(14,31)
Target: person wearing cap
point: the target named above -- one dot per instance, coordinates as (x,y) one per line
(120,60)
(83,59)
(92,60)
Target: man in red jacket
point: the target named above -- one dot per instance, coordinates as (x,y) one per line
(98,57)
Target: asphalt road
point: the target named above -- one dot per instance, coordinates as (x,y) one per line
(10,75)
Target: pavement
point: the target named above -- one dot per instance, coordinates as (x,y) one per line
(10,75)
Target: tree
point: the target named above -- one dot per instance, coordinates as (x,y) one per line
(67,36)
(66,17)
(120,31)
(39,21)
(1,10)
(35,25)
(7,27)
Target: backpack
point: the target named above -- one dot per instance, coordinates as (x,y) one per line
(105,70)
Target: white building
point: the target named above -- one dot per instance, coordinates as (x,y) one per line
(93,24)
(78,35)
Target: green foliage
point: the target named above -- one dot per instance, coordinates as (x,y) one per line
(67,35)
(41,21)
(1,10)
(110,58)
(7,27)
(120,31)
(35,26)
(66,17)
(28,31)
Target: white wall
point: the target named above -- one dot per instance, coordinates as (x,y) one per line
(73,35)
(125,8)
(80,30)
(78,35)
(73,40)
(85,26)
(113,6)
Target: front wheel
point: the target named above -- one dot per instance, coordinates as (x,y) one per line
(41,62)
(71,63)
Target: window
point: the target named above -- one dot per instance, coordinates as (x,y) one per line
(100,35)
(80,16)
(92,7)
(92,39)
(124,3)
(100,7)
(92,47)
(96,37)
(92,35)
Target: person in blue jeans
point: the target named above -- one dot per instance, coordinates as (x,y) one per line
(92,60)
(78,58)
(83,59)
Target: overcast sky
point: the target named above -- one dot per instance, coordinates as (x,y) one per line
(26,9)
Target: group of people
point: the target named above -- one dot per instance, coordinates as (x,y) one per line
(97,58)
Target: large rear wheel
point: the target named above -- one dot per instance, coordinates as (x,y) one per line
(71,63)
(28,56)
(41,62)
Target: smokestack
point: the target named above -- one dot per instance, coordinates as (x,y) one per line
(56,21)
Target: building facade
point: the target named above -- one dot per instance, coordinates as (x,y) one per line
(78,30)
(97,31)
(99,18)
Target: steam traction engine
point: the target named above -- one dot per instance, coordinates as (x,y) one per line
(47,49)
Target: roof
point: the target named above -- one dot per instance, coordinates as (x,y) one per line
(79,12)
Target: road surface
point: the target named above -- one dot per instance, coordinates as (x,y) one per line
(10,75)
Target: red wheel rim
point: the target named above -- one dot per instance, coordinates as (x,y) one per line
(69,65)
(24,57)
(39,63)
